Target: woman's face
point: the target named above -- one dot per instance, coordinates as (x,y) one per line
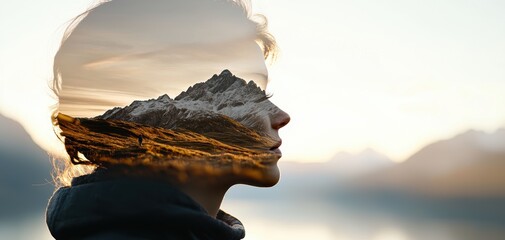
(257,112)
(268,122)
(224,129)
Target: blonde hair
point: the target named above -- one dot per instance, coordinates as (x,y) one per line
(66,169)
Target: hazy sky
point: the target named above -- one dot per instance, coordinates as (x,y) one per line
(129,50)
(391,75)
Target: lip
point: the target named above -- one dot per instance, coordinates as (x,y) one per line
(277,145)
(275,149)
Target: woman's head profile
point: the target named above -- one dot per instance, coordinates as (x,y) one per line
(163,103)
(173,87)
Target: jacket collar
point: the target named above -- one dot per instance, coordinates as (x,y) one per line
(93,204)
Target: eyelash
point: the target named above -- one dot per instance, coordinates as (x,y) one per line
(266,97)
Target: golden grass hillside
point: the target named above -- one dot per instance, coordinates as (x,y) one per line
(207,146)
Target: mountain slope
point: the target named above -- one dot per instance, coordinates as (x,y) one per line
(468,165)
(25,179)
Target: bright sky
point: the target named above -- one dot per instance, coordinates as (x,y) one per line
(391,75)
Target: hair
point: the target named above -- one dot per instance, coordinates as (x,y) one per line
(66,168)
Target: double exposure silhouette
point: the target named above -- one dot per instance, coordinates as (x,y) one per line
(154,92)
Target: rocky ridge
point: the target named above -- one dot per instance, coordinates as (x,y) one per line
(221,96)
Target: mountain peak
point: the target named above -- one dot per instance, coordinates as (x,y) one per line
(217,84)
(163,97)
(225,72)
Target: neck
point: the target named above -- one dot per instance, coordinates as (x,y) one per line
(209,196)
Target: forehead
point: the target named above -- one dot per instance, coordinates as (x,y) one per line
(133,50)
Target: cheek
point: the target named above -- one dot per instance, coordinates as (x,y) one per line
(262,123)
(265,112)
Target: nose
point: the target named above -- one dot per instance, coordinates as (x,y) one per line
(280,119)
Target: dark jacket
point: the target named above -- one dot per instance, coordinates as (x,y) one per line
(131,208)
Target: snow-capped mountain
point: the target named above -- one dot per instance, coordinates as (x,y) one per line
(223,94)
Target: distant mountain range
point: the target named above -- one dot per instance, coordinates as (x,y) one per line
(221,95)
(471,164)
(25,173)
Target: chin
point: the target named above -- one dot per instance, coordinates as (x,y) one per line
(262,177)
